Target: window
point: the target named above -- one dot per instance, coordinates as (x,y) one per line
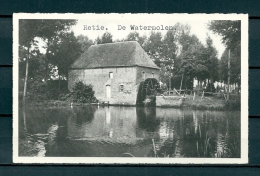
(111,75)
(121,88)
(153,75)
(143,75)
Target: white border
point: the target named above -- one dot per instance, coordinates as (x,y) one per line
(116,160)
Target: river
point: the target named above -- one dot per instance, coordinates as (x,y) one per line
(120,131)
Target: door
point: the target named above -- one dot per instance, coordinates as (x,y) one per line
(108,91)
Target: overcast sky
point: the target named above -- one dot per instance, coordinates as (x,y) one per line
(198,27)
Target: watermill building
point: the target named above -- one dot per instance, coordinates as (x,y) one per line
(119,72)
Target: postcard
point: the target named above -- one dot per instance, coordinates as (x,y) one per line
(130,88)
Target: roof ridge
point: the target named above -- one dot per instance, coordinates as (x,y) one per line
(115,43)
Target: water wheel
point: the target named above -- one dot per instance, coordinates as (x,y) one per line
(147,88)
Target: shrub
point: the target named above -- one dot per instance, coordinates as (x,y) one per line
(39,91)
(233,104)
(83,93)
(210,88)
(36,91)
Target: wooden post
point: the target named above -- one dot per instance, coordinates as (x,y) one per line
(228,74)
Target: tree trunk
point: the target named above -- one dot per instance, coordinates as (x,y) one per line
(228,74)
(170,85)
(237,88)
(46,67)
(181,81)
(212,84)
(208,85)
(59,89)
(26,77)
(46,63)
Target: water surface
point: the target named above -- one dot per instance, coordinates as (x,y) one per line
(128,131)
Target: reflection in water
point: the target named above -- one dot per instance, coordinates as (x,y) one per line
(128,131)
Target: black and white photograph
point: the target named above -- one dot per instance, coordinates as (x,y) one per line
(130,88)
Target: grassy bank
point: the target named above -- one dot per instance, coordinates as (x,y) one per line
(212,103)
(58,103)
(207,103)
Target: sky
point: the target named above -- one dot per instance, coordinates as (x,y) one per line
(198,27)
(111,23)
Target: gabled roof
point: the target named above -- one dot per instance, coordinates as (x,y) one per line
(114,55)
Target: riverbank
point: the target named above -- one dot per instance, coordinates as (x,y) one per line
(213,103)
(207,103)
(59,103)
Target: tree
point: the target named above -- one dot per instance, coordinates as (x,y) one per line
(230,31)
(83,93)
(105,38)
(235,65)
(85,42)
(192,59)
(27,34)
(223,67)
(153,46)
(193,64)
(169,49)
(29,30)
(211,60)
(63,51)
(134,36)
(49,31)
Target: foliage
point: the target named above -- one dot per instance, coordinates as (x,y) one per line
(29,29)
(235,67)
(85,42)
(39,90)
(83,93)
(164,73)
(229,30)
(169,48)
(180,55)
(134,36)
(210,87)
(63,51)
(192,58)
(233,104)
(212,61)
(153,46)
(105,38)
(30,32)
(187,82)
(35,63)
